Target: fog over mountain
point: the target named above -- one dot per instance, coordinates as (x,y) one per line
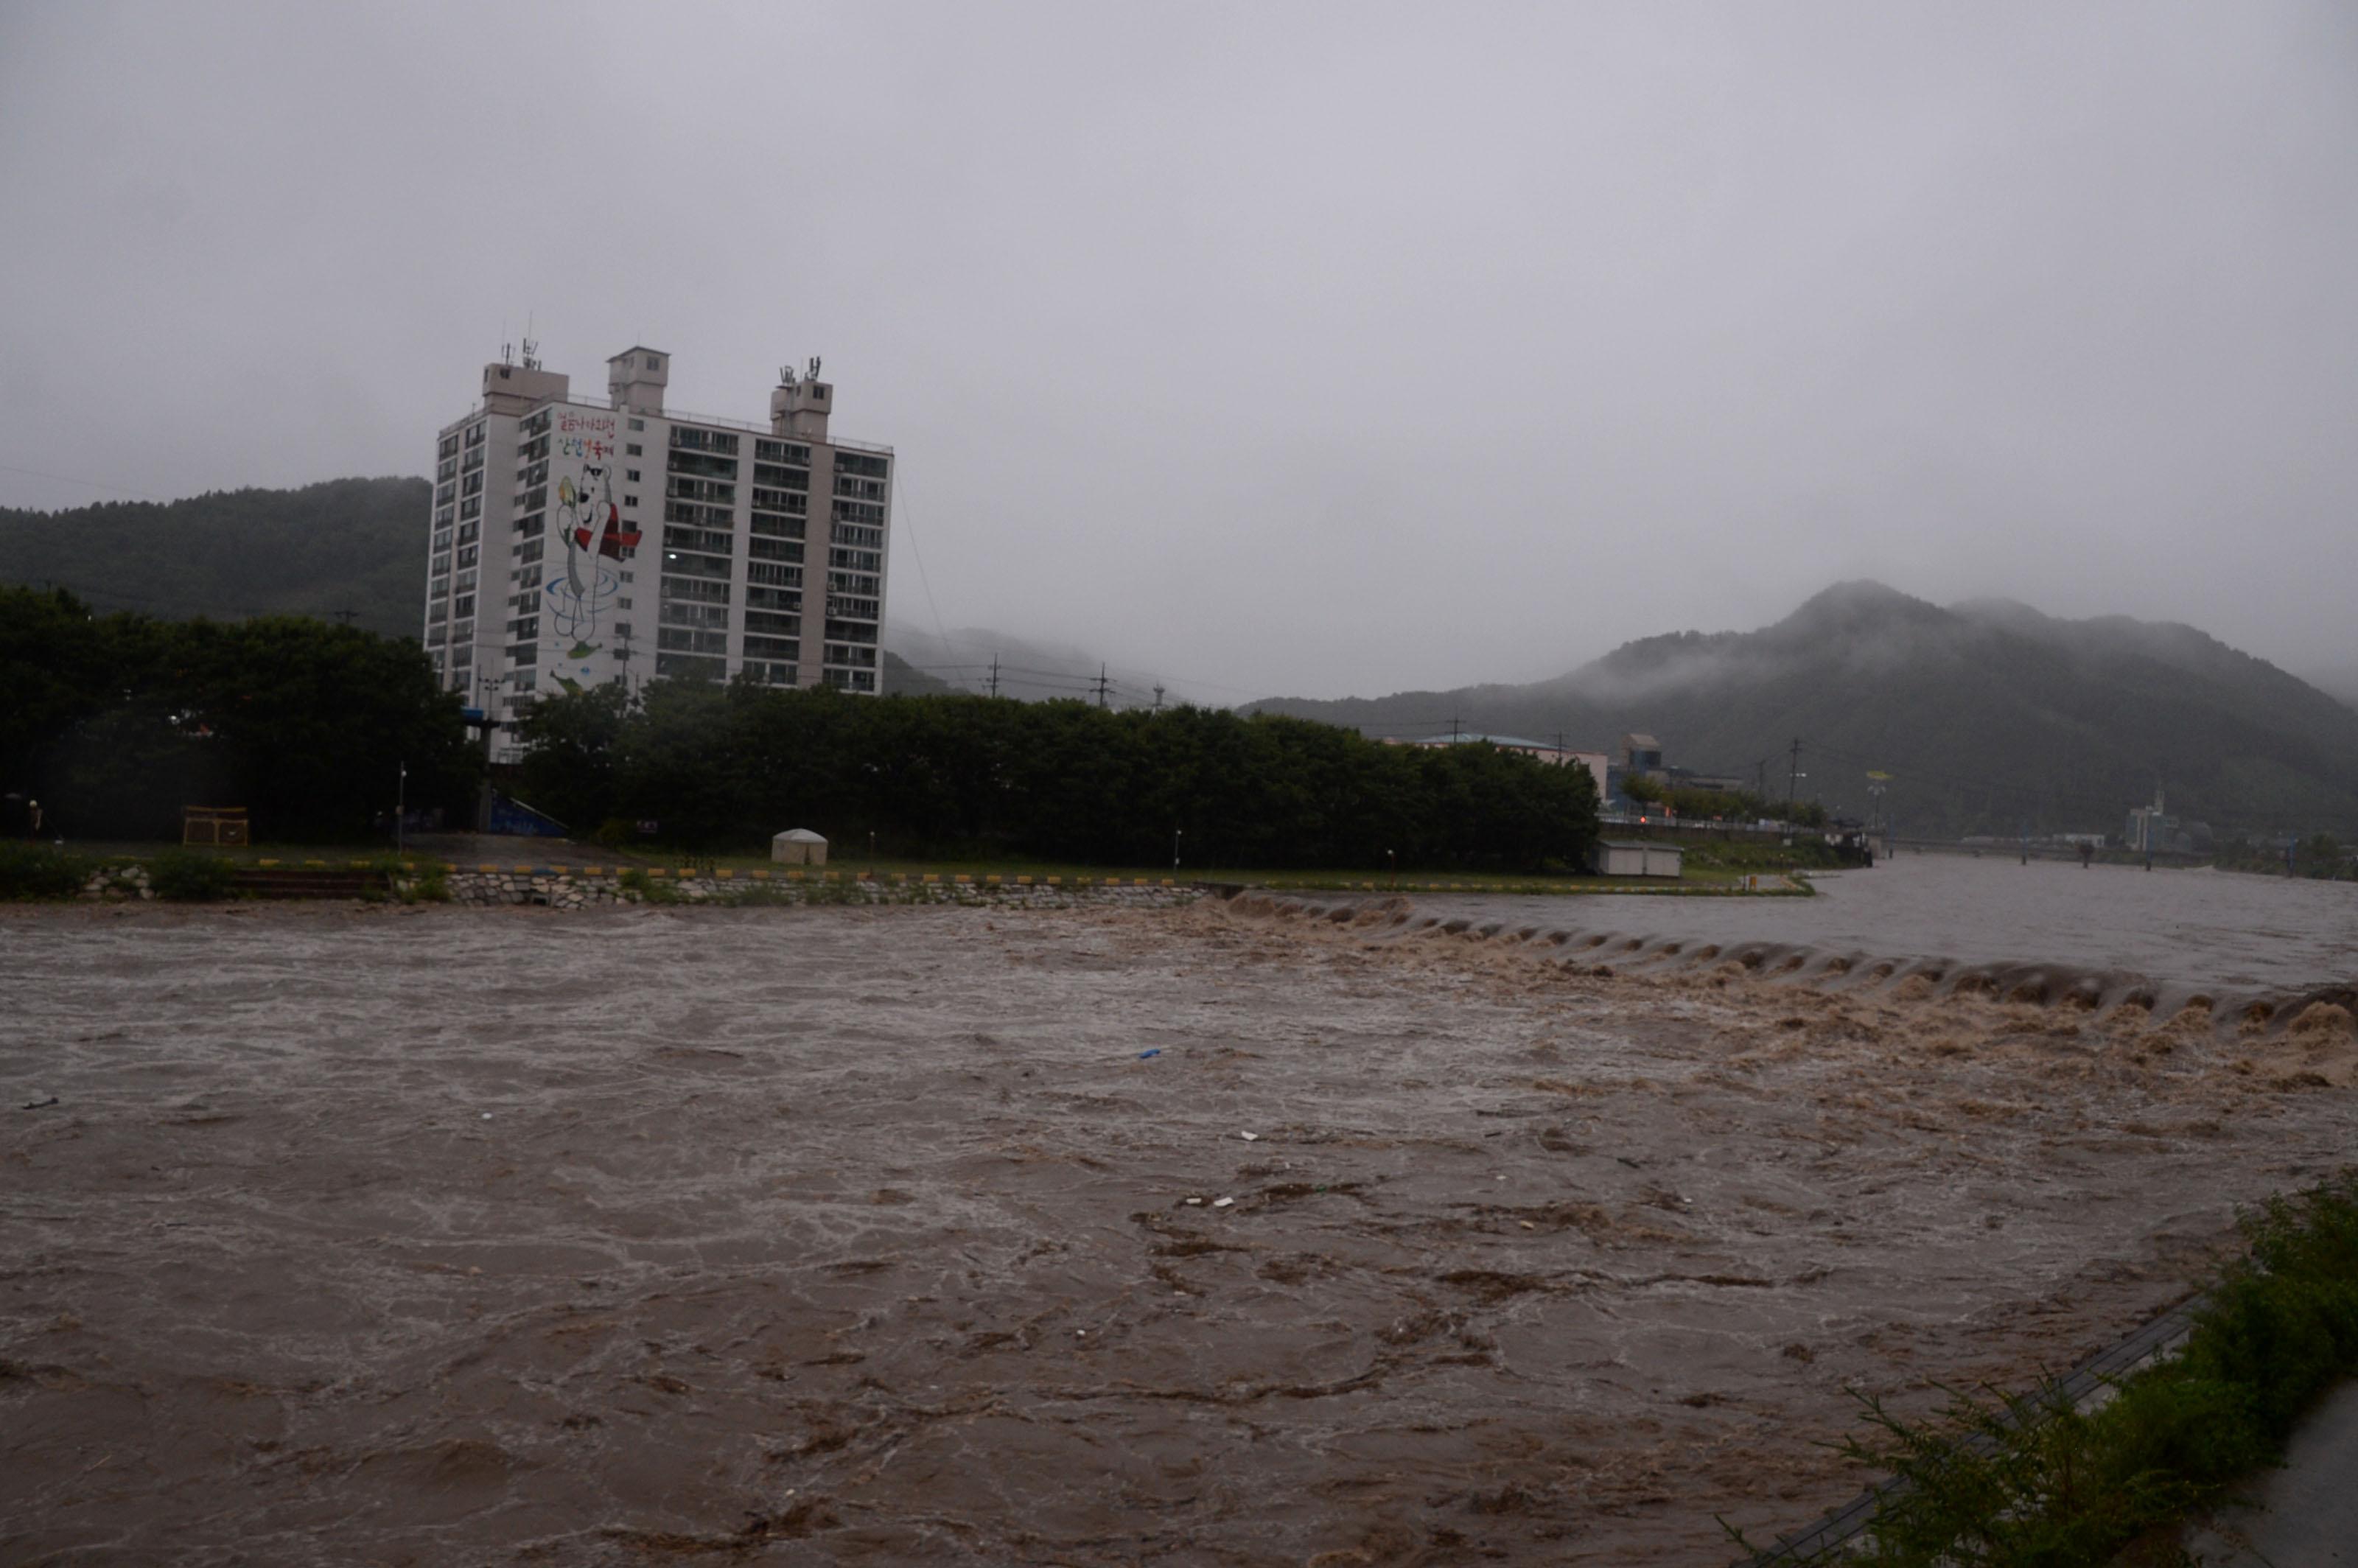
(1991,715)
(1307,348)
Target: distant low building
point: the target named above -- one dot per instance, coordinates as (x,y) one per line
(1556,756)
(1716,783)
(1641,755)
(2151,830)
(1635,858)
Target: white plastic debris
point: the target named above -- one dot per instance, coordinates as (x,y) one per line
(1249,1137)
(1195,1203)
(1222,1203)
(487,1116)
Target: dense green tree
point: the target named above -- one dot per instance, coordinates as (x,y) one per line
(125,719)
(727,766)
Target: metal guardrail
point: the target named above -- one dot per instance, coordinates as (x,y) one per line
(1824,1541)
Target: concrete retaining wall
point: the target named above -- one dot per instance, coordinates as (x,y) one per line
(589,887)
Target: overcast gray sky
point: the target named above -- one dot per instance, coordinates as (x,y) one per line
(1282,348)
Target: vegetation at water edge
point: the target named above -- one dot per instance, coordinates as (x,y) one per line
(2026,1480)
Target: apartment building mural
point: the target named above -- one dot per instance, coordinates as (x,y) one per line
(577,541)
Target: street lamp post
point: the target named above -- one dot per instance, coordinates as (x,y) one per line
(1176,833)
(400,809)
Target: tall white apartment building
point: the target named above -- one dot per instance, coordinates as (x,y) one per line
(583,541)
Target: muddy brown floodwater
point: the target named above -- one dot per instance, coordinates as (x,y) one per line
(878,1236)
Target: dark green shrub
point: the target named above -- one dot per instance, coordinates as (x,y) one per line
(2026,1481)
(191,879)
(30,871)
(429,882)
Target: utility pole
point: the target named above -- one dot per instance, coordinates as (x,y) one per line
(994,675)
(1103,684)
(1454,727)
(1793,781)
(1157,697)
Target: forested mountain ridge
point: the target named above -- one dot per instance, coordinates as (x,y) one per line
(344,545)
(1991,715)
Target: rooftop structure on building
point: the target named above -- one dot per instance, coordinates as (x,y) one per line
(1641,754)
(1557,755)
(579,541)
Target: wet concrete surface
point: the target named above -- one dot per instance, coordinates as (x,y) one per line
(2303,1514)
(864,1236)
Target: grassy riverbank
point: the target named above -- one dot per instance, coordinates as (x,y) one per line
(36,872)
(2018,1480)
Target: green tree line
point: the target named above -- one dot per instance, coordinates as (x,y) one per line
(1722,804)
(727,766)
(115,723)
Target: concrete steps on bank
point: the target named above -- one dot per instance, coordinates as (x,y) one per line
(311,882)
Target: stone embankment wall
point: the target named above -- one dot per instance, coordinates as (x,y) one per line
(561,889)
(118,882)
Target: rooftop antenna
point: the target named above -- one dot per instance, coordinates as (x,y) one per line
(812,373)
(531,349)
(785,375)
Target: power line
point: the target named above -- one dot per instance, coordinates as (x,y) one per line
(85,484)
(899,485)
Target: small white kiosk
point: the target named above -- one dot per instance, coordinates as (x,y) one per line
(1634,858)
(798,847)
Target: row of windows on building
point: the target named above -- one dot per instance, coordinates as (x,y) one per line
(703,469)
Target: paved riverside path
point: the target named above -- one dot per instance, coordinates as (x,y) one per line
(2304,1515)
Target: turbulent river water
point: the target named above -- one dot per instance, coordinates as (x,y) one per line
(2206,928)
(959,1236)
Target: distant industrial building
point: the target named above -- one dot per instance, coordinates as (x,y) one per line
(1556,756)
(579,541)
(2151,829)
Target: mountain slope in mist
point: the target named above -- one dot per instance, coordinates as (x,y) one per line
(1991,715)
(1027,670)
(346,545)
(2341,684)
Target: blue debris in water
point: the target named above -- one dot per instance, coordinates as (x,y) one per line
(1143,1055)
